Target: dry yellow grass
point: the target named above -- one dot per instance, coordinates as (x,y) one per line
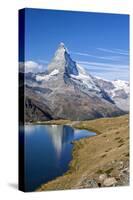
(92,156)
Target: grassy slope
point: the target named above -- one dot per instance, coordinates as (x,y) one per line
(95,155)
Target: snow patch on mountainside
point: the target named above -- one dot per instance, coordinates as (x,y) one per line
(85,78)
(117,90)
(121,85)
(117,85)
(103,79)
(47,77)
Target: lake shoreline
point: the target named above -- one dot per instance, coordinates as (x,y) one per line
(72,124)
(96,157)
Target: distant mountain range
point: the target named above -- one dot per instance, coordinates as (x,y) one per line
(67,91)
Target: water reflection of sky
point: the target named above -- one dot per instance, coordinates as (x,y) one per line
(60,135)
(48,151)
(29,129)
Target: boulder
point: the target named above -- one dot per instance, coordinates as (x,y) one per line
(102,177)
(109,182)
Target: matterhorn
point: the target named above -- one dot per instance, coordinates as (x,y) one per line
(67,91)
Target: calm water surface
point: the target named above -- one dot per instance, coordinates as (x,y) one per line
(48,151)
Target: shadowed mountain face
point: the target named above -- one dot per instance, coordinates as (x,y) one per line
(67,91)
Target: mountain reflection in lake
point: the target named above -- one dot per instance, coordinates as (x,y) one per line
(48,151)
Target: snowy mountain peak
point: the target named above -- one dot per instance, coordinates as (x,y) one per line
(62,45)
(68,85)
(63,62)
(63,48)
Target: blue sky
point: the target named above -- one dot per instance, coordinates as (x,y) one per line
(98,42)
